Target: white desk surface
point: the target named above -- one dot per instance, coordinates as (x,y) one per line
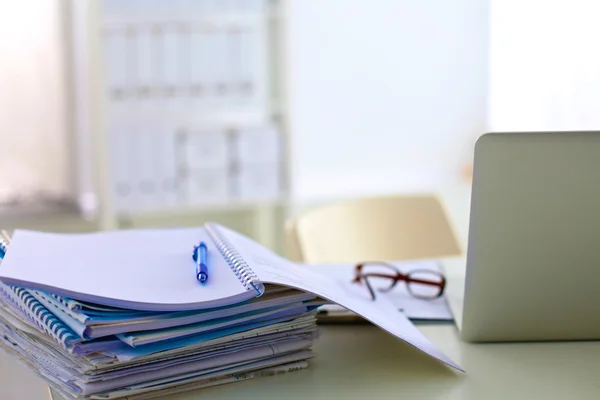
(363,362)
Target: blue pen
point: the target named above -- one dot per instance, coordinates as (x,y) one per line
(199,257)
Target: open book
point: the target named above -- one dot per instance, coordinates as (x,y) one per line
(153,271)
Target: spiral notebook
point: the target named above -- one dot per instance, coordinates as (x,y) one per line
(152,270)
(136,269)
(39,314)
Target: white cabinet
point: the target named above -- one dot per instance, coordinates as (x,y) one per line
(204,147)
(258,181)
(205,186)
(176,102)
(258,144)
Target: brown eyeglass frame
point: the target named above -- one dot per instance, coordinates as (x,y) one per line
(397,277)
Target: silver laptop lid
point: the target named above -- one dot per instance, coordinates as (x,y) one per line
(533,260)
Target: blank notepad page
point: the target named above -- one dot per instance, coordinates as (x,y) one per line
(139,269)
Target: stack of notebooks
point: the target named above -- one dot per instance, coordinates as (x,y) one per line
(122,314)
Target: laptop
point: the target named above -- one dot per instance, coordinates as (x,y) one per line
(533,260)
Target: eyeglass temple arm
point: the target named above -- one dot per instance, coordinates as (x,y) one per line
(425,282)
(398,277)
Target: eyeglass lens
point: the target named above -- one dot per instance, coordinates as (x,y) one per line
(379,283)
(421,289)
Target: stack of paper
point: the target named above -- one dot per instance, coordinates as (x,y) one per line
(86,350)
(113,352)
(118,314)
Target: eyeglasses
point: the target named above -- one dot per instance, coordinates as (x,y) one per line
(383,277)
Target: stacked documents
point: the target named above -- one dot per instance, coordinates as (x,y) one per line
(88,351)
(134,314)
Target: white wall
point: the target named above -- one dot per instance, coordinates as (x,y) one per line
(390,91)
(544,66)
(34,153)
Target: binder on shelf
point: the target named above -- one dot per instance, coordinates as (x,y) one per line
(256,58)
(234,64)
(258,159)
(145,61)
(117,65)
(170,60)
(216,66)
(168,185)
(206,147)
(199,64)
(185,57)
(259,181)
(145,139)
(123,156)
(121,184)
(207,186)
(247,82)
(258,144)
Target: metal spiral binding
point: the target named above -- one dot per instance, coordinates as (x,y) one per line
(42,317)
(237,264)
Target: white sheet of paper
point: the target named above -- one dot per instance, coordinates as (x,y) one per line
(271,268)
(413,307)
(137,269)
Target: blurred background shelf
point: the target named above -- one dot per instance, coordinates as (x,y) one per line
(177,120)
(150,113)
